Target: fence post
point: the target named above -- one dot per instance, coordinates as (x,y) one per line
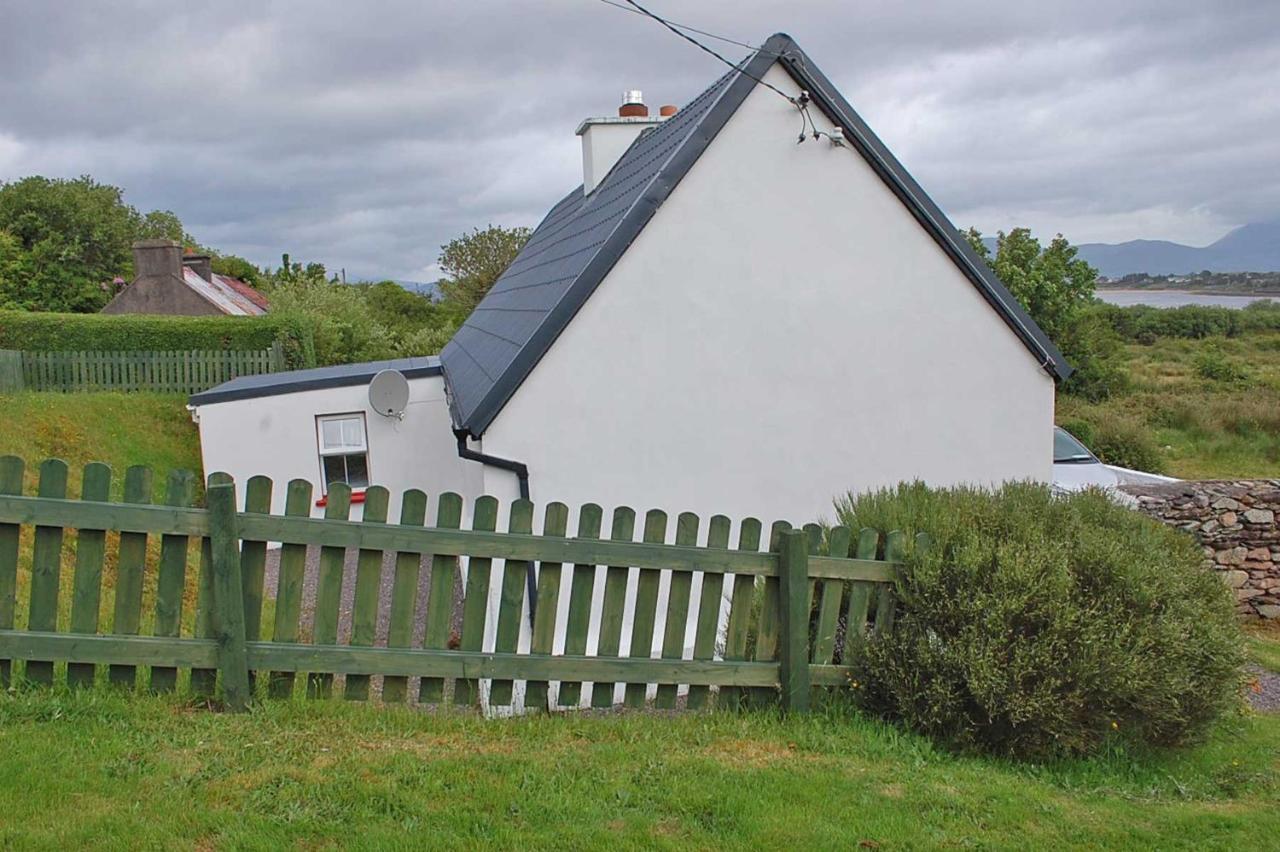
(793,600)
(228,595)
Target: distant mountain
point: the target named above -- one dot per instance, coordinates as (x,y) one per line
(1249,248)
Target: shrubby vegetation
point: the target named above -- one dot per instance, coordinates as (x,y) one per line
(50,332)
(1188,390)
(1145,324)
(1056,288)
(1037,626)
(359,322)
(63,242)
(1119,439)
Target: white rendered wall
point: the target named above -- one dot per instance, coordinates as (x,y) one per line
(781,332)
(276,436)
(604,141)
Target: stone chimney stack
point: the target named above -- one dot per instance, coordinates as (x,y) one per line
(157,259)
(200,264)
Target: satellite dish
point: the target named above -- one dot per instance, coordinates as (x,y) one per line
(389,393)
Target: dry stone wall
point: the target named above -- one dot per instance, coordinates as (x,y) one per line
(1235,523)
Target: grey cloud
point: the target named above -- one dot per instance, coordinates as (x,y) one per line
(365,135)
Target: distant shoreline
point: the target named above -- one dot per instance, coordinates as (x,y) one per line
(1261,294)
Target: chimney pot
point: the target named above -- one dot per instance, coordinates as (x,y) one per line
(633,105)
(667,110)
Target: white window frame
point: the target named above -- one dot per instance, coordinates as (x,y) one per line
(344,450)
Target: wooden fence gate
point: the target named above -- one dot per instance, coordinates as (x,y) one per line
(761,625)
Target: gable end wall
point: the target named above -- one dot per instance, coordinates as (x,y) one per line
(161,295)
(782,330)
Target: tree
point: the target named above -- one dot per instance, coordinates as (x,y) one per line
(474,261)
(67,239)
(1056,287)
(1052,283)
(165,225)
(237,267)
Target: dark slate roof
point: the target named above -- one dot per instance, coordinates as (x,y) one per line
(579,241)
(344,375)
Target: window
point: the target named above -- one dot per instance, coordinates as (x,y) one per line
(344,453)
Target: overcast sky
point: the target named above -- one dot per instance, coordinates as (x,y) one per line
(365,134)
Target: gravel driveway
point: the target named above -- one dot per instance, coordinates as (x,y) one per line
(1264,694)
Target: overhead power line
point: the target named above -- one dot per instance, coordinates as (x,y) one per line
(678,29)
(635,11)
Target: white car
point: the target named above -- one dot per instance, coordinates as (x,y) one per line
(1076,468)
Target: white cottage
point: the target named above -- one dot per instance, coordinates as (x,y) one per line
(720,319)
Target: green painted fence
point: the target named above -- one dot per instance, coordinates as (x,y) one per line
(159,372)
(764,626)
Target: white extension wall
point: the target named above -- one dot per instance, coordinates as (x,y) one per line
(781,332)
(276,436)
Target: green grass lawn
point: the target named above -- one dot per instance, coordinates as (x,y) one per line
(118,772)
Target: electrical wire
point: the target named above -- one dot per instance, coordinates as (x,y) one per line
(738,66)
(626,8)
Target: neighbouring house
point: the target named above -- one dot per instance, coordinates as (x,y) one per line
(719,319)
(167,281)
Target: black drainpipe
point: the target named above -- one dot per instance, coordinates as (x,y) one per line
(521,470)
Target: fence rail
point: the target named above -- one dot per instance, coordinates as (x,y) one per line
(759,626)
(161,372)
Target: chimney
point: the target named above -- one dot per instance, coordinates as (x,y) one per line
(157,259)
(200,264)
(606,139)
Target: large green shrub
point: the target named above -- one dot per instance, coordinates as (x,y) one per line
(1096,353)
(1120,440)
(50,332)
(1214,365)
(1037,626)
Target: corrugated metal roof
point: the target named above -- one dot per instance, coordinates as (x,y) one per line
(222,293)
(343,375)
(244,290)
(580,240)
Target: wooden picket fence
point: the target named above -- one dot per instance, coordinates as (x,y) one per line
(764,625)
(160,372)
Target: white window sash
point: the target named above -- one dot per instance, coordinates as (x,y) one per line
(343,423)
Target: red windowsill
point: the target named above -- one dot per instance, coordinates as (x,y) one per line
(356,497)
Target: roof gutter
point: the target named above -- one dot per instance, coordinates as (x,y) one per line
(521,470)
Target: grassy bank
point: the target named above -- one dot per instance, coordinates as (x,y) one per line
(117,428)
(114,772)
(1208,408)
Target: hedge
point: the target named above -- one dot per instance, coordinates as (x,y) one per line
(53,332)
(1145,323)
